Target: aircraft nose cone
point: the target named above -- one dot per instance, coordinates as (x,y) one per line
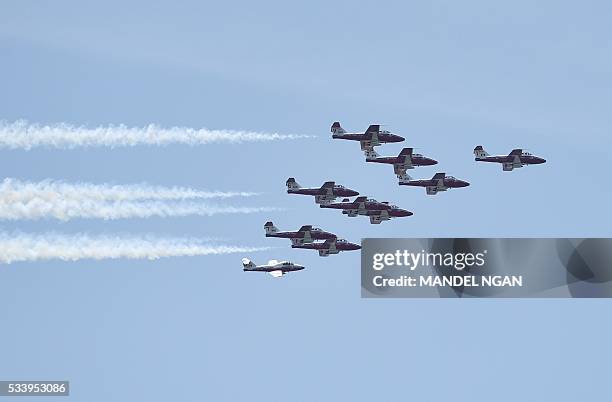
(355,247)
(464,184)
(404,212)
(541,160)
(398,138)
(352,193)
(432,162)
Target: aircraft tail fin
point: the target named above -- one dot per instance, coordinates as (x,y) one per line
(292,184)
(246,263)
(371,153)
(270,228)
(479,152)
(336,128)
(404,178)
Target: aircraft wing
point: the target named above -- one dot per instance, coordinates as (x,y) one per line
(370,138)
(399,169)
(324,199)
(439,179)
(328,187)
(330,243)
(277,274)
(305,228)
(373,129)
(375,219)
(406,152)
(366,145)
(514,157)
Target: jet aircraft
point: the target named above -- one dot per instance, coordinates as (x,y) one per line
(372,137)
(377,211)
(439,182)
(329,246)
(515,159)
(405,160)
(305,234)
(273,267)
(325,194)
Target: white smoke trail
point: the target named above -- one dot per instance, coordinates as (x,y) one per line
(66,209)
(24,135)
(13,190)
(34,247)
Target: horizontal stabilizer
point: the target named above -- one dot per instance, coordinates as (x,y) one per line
(292,184)
(270,228)
(479,152)
(336,128)
(370,154)
(404,178)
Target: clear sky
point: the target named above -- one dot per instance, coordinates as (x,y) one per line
(446,75)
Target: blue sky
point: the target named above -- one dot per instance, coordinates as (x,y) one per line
(445,75)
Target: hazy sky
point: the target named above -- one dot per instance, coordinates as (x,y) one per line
(445,75)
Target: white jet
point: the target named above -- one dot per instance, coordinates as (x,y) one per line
(273,267)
